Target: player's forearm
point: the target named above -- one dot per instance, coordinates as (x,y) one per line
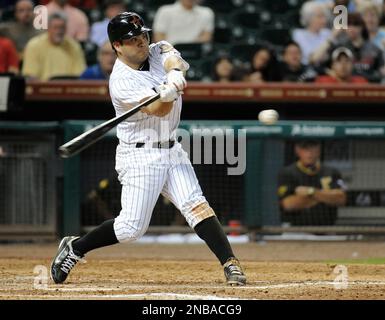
(205,36)
(158,108)
(335,197)
(174,62)
(296,202)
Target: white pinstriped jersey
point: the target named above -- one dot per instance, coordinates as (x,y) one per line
(129,86)
(145,173)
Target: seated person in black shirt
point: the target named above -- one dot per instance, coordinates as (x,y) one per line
(102,203)
(309,192)
(291,68)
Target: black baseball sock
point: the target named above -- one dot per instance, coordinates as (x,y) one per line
(210,230)
(102,236)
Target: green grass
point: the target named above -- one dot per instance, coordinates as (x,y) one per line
(358,261)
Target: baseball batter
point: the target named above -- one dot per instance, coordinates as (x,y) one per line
(149,161)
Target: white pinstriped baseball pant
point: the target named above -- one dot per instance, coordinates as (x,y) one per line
(145,173)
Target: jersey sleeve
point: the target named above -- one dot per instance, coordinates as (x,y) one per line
(286,184)
(163,50)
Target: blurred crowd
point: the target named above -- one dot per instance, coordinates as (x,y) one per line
(253,41)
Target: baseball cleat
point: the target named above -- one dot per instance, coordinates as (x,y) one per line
(233,272)
(64,260)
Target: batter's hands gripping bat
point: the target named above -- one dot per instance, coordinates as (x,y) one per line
(89,137)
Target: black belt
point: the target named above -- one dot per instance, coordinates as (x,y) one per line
(159,145)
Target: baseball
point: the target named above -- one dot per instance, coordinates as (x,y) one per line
(269,116)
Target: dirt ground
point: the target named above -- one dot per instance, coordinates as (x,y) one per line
(275,270)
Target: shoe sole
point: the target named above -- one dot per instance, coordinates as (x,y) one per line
(236,283)
(53,260)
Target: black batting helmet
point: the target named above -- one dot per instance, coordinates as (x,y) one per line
(125,26)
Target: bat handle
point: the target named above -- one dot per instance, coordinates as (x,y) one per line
(63,152)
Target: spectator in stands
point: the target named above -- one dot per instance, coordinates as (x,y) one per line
(9,60)
(102,202)
(21,30)
(350,4)
(291,68)
(184,22)
(77,26)
(314,17)
(368,58)
(52,53)
(264,67)
(341,69)
(103,69)
(225,71)
(99,29)
(310,192)
(371,14)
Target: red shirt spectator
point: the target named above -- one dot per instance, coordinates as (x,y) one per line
(331,79)
(341,69)
(9,60)
(85,4)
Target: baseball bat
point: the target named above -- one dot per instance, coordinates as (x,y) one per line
(89,137)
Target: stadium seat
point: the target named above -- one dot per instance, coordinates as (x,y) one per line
(276,36)
(221,48)
(140,8)
(291,19)
(93,15)
(246,19)
(222,20)
(280,6)
(223,6)
(156,3)
(194,73)
(7,14)
(90,50)
(193,51)
(243,35)
(243,52)
(223,28)
(222,35)
(251,17)
(200,70)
